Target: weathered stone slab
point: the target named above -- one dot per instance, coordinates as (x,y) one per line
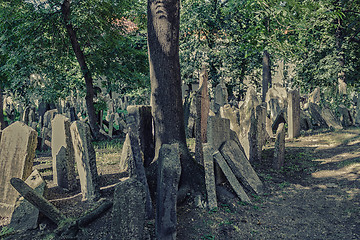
(231,177)
(17,152)
(218,131)
(293,114)
(128,213)
(25,215)
(315,96)
(62,151)
(345,116)
(233,115)
(317,119)
(330,118)
(139,121)
(85,158)
(126,155)
(220,96)
(241,167)
(169,170)
(209,176)
(279,151)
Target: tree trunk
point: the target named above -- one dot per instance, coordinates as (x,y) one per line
(341,59)
(166,98)
(266,81)
(89,98)
(2,121)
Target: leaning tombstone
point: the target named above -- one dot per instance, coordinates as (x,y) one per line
(238,189)
(85,161)
(128,212)
(25,215)
(279,151)
(345,116)
(62,151)
(17,152)
(241,167)
(330,118)
(169,170)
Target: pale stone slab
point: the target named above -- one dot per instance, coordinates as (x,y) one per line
(279,151)
(62,151)
(169,170)
(25,215)
(85,161)
(231,177)
(241,167)
(209,176)
(218,131)
(17,152)
(128,213)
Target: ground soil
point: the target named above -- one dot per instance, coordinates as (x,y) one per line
(316,195)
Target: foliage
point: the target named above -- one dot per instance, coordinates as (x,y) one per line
(38,56)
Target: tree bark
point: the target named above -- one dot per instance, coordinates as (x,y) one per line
(166,98)
(89,98)
(266,81)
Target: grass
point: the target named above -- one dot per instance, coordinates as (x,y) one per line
(113,145)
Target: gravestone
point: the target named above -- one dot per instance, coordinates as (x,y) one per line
(62,152)
(218,131)
(139,121)
(317,119)
(241,167)
(293,114)
(202,112)
(231,177)
(169,170)
(357,111)
(25,116)
(25,215)
(220,96)
(48,117)
(345,116)
(85,158)
(279,150)
(330,118)
(17,151)
(315,96)
(128,212)
(142,148)
(233,115)
(209,176)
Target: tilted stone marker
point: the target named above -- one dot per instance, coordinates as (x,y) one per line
(38,201)
(218,131)
(128,214)
(169,171)
(126,155)
(330,118)
(25,215)
(241,167)
(293,114)
(317,119)
(62,151)
(139,121)
(279,151)
(85,161)
(231,177)
(17,152)
(209,176)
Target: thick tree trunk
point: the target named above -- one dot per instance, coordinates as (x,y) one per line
(2,121)
(166,98)
(266,81)
(89,98)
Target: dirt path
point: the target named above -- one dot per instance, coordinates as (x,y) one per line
(315,196)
